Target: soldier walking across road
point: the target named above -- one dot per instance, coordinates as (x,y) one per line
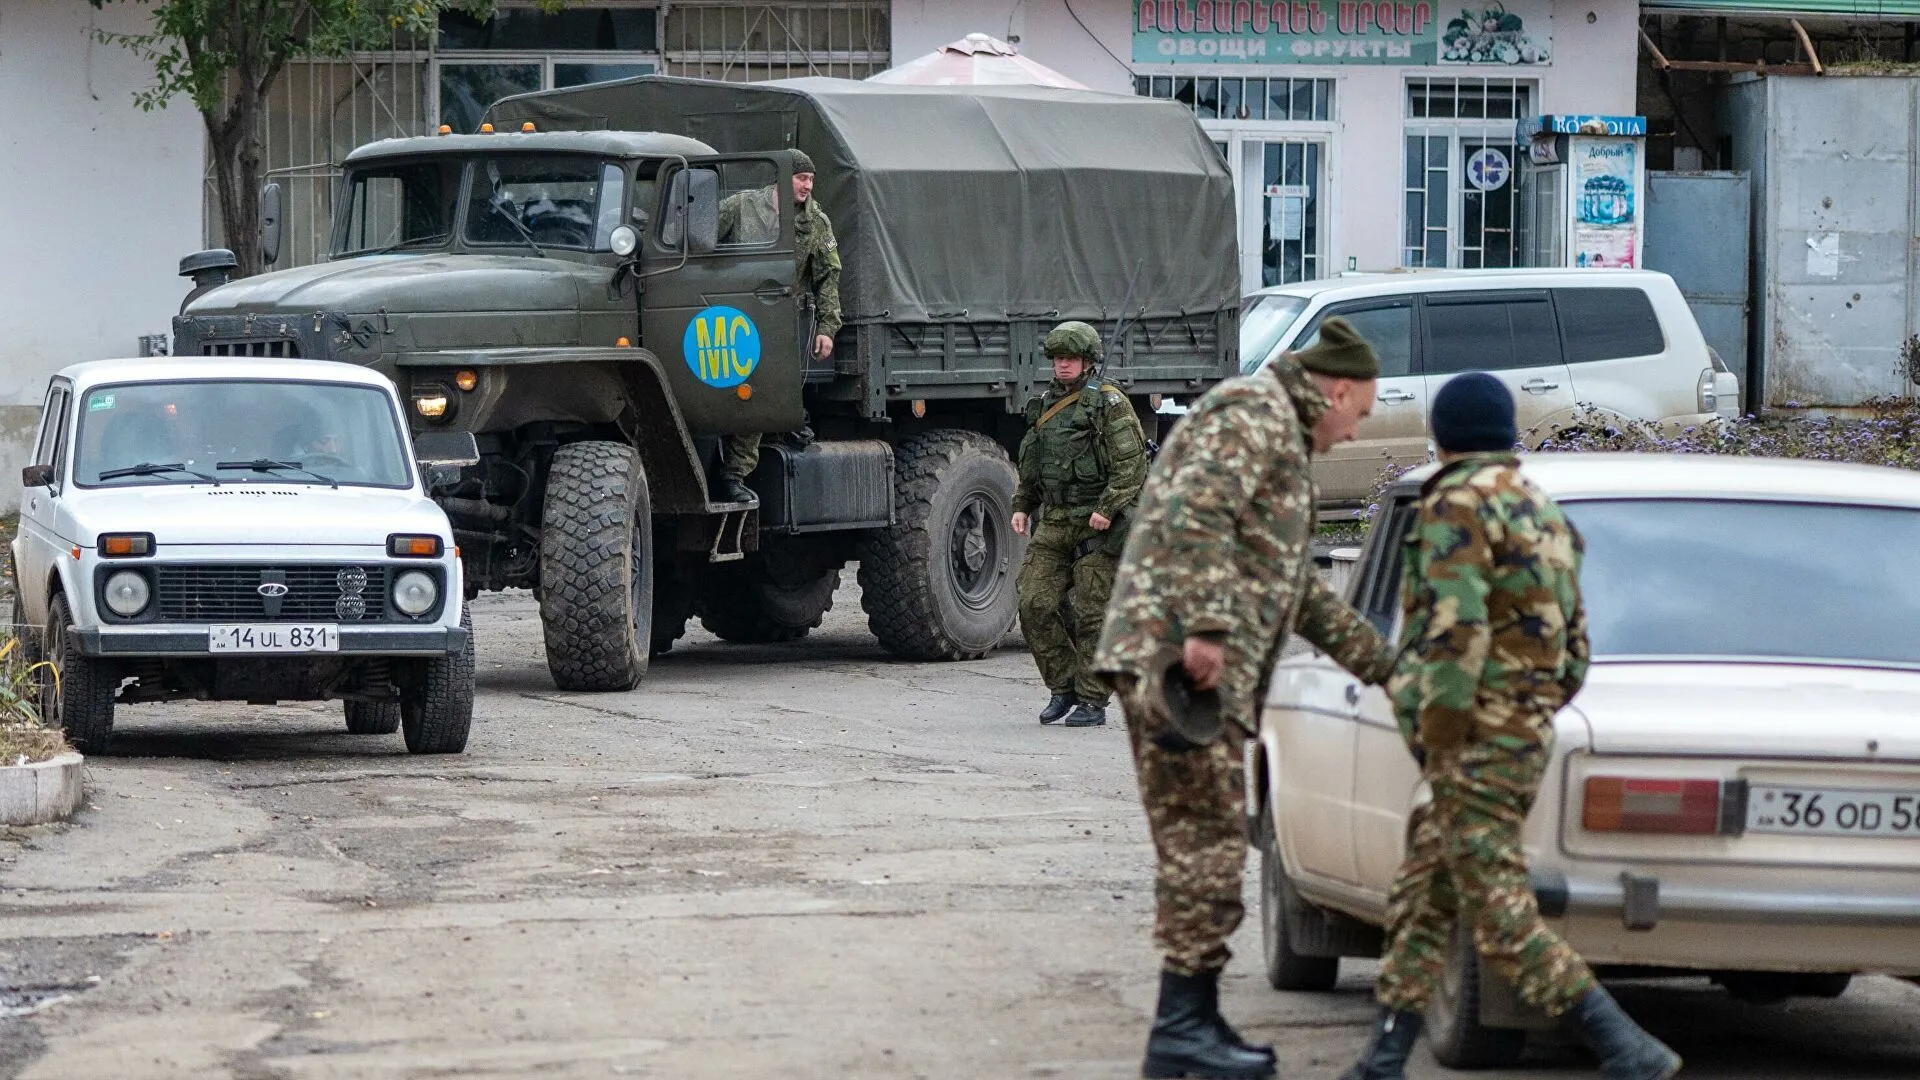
(1494,643)
(1083,460)
(1215,575)
(754,217)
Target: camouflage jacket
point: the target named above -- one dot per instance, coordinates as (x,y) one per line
(753,217)
(1090,455)
(1219,545)
(1494,628)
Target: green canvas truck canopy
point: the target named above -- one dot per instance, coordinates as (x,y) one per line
(993,201)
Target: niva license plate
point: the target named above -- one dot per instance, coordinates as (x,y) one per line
(274,638)
(1817,811)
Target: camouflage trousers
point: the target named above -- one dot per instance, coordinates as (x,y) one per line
(739,455)
(1063,602)
(1196,810)
(1466,865)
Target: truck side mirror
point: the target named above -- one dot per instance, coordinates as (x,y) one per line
(693,212)
(270,223)
(35,476)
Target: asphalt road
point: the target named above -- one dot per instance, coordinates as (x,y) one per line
(795,861)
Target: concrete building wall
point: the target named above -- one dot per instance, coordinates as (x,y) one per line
(105,199)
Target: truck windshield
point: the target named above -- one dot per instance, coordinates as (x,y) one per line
(559,201)
(239,430)
(393,206)
(1263,321)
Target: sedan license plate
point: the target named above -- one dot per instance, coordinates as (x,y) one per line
(1818,811)
(274,638)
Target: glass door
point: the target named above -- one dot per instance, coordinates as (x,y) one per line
(1282,182)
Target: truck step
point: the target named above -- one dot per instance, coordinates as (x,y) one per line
(729,531)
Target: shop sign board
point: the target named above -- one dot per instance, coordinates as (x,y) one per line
(1415,33)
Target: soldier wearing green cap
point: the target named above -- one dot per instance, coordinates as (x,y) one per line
(753,217)
(1081,465)
(1215,576)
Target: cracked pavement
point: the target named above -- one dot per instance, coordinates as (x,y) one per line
(780,861)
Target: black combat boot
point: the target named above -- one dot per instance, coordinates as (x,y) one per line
(1087,714)
(1190,1040)
(1625,1050)
(1058,707)
(1213,1006)
(1385,1057)
(735,490)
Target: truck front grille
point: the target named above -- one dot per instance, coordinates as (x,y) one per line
(314,593)
(287,349)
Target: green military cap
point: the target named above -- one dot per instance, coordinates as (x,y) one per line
(801,162)
(1073,339)
(1339,350)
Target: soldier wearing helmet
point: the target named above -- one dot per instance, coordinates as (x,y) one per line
(1081,465)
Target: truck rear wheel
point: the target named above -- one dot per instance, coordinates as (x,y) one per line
(596,567)
(746,605)
(938,584)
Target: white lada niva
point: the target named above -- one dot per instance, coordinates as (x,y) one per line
(241,530)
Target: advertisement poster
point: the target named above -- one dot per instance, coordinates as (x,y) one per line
(1501,33)
(1606,219)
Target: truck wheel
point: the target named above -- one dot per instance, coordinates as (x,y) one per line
(1287,969)
(1454,1031)
(746,606)
(437,713)
(80,700)
(372,717)
(938,583)
(596,567)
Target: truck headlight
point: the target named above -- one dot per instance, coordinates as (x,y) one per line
(128,593)
(415,593)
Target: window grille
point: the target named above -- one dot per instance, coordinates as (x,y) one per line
(1235,98)
(1461,207)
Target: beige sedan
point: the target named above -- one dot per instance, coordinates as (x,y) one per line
(1735,793)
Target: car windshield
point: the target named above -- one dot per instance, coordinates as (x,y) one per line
(559,201)
(1750,580)
(1263,321)
(239,430)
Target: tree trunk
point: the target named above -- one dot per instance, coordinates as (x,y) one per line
(235,148)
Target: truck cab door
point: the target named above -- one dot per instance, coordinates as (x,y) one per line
(721,306)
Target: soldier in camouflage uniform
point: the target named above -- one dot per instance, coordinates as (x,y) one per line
(1494,644)
(753,217)
(1215,574)
(1083,459)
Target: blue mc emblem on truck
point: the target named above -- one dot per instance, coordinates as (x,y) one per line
(721,346)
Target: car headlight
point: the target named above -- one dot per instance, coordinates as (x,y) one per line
(415,593)
(127,593)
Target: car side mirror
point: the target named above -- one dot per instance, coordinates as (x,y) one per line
(270,223)
(34,476)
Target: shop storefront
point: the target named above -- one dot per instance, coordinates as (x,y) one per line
(1368,135)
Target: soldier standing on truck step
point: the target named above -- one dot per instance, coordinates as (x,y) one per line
(1084,458)
(754,216)
(1215,576)
(1495,642)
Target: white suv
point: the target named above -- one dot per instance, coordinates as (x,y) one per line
(241,530)
(1570,344)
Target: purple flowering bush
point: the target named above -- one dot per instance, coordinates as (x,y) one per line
(1883,431)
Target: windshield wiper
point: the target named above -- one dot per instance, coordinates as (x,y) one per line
(149,468)
(409,242)
(270,465)
(513,219)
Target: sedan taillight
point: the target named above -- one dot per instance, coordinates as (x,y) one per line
(1647,805)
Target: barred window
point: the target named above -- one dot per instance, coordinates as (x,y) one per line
(1235,98)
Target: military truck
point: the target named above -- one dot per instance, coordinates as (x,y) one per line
(558,285)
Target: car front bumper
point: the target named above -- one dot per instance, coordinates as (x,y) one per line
(190,639)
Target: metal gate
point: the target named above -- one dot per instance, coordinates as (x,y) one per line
(1697,230)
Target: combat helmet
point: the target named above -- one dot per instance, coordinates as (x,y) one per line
(1073,338)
